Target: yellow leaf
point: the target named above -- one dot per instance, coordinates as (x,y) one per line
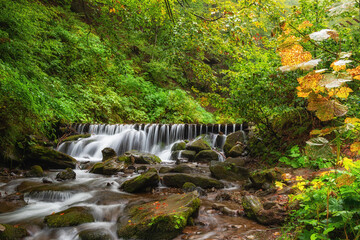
(279,185)
(317,184)
(294,55)
(347,163)
(352,120)
(355,147)
(343,92)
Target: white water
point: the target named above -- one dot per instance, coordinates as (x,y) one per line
(151,138)
(99,193)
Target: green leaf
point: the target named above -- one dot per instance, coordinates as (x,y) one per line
(330,229)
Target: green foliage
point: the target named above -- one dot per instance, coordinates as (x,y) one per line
(328,207)
(297,159)
(54,67)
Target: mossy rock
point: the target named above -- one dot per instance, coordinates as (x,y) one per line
(110,166)
(232,140)
(228,171)
(198,145)
(160,220)
(142,158)
(188,154)
(71,217)
(76,137)
(165,169)
(178,146)
(177,180)
(252,206)
(238,161)
(9,232)
(236,151)
(268,176)
(108,153)
(95,234)
(182,168)
(188,187)
(142,183)
(48,158)
(206,156)
(67,174)
(35,171)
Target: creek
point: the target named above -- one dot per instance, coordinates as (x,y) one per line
(107,202)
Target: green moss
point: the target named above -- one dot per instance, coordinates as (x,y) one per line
(71,217)
(10,232)
(198,145)
(179,179)
(97,168)
(231,141)
(95,234)
(178,146)
(144,182)
(109,167)
(76,137)
(188,186)
(162,219)
(206,156)
(36,171)
(48,158)
(228,171)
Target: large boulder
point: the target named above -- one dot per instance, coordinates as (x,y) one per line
(108,153)
(142,183)
(182,168)
(206,156)
(9,232)
(95,234)
(238,161)
(183,154)
(261,178)
(198,145)
(35,171)
(254,209)
(237,150)
(252,206)
(232,140)
(160,220)
(110,166)
(48,158)
(228,171)
(177,180)
(71,217)
(67,174)
(142,158)
(178,146)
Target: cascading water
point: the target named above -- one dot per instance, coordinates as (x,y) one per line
(151,138)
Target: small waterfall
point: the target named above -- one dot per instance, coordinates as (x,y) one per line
(49,196)
(151,138)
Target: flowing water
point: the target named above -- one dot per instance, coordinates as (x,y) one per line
(101,193)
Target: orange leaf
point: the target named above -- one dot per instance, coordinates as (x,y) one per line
(294,55)
(355,147)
